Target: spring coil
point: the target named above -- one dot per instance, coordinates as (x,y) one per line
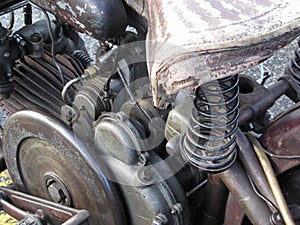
(293,67)
(83,58)
(210,140)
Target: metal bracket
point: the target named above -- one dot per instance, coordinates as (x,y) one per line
(294,88)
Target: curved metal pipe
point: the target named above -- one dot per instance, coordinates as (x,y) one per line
(271,177)
(253,167)
(239,186)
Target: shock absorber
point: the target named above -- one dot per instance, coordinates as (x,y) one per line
(210,140)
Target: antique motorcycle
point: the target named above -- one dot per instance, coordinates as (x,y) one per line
(161,128)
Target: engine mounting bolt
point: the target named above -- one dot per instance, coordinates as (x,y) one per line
(147,175)
(176,209)
(56,192)
(160,219)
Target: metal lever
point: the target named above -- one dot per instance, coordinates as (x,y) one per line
(17,204)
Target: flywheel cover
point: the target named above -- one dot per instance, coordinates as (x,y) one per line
(39,149)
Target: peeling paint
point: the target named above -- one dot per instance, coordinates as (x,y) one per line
(80,10)
(82,14)
(93,7)
(224,37)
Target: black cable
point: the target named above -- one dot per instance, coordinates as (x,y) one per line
(53,46)
(140,109)
(11,21)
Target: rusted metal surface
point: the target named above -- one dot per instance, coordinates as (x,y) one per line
(234,213)
(216,39)
(273,182)
(21,205)
(12,210)
(253,167)
(255,99)
(282,138)
(55,149)
(99,18)
(237,182)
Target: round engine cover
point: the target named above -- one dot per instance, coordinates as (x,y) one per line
(118,137)
(148,186)
(43,154)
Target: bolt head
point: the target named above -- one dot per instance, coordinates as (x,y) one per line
(147,174)
(56,192)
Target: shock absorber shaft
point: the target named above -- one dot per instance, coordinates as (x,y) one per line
(210,141)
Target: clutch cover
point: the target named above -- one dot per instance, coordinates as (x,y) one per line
(45,159)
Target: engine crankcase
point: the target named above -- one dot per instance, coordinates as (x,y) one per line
(45,159)
(150,190)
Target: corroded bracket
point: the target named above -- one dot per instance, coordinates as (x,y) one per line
(18,204)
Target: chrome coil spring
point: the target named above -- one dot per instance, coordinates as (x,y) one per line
(210,140)
(293,68)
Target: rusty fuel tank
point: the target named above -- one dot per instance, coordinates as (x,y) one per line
(282,138)
(101,19)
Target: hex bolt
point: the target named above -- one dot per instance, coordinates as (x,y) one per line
(176,209)
(56,189)
(56,192)
(160,219)
(147,175)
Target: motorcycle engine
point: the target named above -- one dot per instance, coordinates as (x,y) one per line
(128,136)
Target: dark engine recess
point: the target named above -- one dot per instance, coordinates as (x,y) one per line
(37,83)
